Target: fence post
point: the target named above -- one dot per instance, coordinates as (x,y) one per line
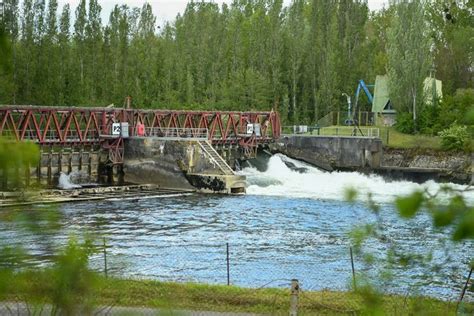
(228,264)
(295,289)
(353,270)
(388,135)
(105,259)
(464,289)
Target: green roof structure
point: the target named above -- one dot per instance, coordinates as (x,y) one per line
(382,104)
(433,90)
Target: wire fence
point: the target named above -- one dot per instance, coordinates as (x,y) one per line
(184,279)
(344,131)
(293,295)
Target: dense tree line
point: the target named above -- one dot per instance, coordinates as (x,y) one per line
(250,55)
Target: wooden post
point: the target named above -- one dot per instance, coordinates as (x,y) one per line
(27,171)
(353,271)
(38,167)
(80,159)
(105,259)
(388,135)
(4,177)
(50,166)
(228,264)
(464,289)
(60,160)
(295,289)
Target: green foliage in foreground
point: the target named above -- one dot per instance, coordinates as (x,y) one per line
(67,286)
(450,212)
(34,287)
(456,213)
(454,138)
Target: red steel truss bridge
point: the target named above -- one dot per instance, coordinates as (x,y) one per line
(76,126)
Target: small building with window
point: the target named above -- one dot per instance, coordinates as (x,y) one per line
(382,107)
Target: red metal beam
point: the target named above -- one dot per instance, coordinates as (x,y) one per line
(61,125)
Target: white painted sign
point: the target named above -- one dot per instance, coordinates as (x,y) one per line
(253,128)
(116,129)
(249,129)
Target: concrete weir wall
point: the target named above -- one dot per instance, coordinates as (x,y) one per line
(176,164)
(332,152)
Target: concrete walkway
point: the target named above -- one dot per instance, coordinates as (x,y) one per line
(22,309)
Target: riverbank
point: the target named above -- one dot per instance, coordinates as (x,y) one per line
(444,166)
(167,296)
(52,196)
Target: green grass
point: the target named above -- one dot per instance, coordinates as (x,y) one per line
(266,300)
(394,139)
(168,296)
(389,136)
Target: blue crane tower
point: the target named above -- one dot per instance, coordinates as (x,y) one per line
(365,87)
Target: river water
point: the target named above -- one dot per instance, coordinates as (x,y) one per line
(293,223)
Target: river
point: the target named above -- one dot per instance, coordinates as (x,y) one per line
(293,223)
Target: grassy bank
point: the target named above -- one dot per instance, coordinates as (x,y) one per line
(264,300)
(394,139)
(196,297)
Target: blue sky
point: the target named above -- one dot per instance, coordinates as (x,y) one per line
(166,10)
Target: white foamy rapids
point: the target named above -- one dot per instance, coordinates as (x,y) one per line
(280,180)
(65,183)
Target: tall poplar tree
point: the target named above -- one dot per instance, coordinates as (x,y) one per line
(295,39)
(79,47)
(93,44)
(9,30)
(51,55)
(408,57)
(26,68)
(65,81)
(39,92)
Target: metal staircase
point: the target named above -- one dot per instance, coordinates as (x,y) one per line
(215,157)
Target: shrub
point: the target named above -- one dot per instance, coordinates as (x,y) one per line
(454,108)
(405,123)
(455,137)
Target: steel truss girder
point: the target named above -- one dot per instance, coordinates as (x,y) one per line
(73,125)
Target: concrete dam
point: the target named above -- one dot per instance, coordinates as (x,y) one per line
(171,149)
(181,150)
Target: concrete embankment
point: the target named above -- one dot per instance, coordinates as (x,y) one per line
(332,152)
(368,155)
(424,164)
(32,197)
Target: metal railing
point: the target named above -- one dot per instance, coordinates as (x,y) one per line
(350,131)
(53,136)
(176,133)
(346,131)
(93,135)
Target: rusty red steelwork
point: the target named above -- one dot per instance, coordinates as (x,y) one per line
(83,126)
